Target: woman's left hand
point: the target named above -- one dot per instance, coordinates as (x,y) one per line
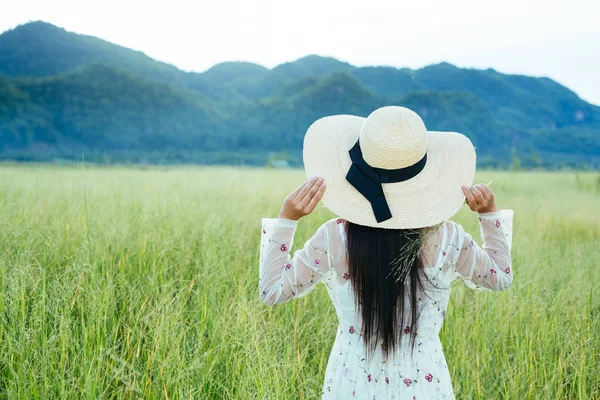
(303,200)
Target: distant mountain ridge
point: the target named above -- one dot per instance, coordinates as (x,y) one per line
(63,94)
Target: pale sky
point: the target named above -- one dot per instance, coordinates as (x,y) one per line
(558,39)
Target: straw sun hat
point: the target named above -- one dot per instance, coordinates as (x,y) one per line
(387,170)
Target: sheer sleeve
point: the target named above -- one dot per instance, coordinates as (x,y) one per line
(487,267)
(282,277)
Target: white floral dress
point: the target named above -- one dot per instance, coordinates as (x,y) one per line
(450,253)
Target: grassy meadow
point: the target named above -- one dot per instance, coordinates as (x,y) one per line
(142,283)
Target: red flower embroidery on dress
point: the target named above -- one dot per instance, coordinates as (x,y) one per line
(507,270)
(497,224)
(369,377)
(444,254)
(339,220)
(293,293)
(264,231)
(387,380)
(407,382)
(317,262)
(288,266)
(472,243)
(352,330)
(407,329)
(429,377)
(346,276)
(283,247)
(493,271)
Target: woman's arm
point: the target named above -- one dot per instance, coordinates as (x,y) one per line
(488,267)
(281,276)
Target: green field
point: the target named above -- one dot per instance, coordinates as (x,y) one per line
(132,283)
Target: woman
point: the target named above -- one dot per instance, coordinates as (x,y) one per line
(389,260)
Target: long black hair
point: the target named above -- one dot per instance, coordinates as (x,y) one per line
(383,264)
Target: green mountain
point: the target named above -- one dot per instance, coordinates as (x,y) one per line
(102,107)
(235,81)
(312,66)
(40,49)
(459,112)
(282,119)
(64,94)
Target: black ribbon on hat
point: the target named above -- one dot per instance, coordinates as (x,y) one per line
(368,180)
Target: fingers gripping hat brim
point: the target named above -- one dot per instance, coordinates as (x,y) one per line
(429,198)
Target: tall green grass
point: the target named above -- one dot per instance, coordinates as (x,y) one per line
(128,283)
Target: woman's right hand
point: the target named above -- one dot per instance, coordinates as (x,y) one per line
(480,198)
(303,200)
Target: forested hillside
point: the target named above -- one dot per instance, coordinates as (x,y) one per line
(64,95)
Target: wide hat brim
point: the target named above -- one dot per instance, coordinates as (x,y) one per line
(431,197)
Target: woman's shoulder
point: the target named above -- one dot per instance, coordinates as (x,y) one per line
(453,228)
(333,226)
(455,232)
(335,229)
(447,233)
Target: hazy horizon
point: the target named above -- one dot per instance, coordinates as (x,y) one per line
(539,38)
